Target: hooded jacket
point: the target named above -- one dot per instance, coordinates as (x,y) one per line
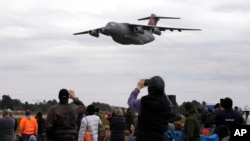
(155,112)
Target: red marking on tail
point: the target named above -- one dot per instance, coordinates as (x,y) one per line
(152,21)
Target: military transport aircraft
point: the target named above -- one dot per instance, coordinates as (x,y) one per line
(126,33)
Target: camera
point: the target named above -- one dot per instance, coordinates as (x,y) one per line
(146,82)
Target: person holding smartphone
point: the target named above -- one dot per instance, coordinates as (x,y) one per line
(154,109)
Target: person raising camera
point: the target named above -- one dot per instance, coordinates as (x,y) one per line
(154,109)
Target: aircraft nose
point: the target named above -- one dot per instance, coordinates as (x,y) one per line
(108,27)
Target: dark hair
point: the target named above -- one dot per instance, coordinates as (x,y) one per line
(39,115)
(222,131)
(189,107)
(91,110)
(27,112)
(217,105)
(63,96)
(228,103)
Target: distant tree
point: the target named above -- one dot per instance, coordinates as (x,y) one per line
(17,105)
(102,106)
(27,106)
(7,102)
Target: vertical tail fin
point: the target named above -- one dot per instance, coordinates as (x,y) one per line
(153,19)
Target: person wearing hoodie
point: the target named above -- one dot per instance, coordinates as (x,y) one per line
(28,126)
(154,109)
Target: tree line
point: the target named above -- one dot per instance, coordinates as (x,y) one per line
(17,105)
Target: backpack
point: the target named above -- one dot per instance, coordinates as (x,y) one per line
(213,137)
(174,135)
(205,131)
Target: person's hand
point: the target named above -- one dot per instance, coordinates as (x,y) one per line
(72,94)
(19,135)
(132,128)
(140,84)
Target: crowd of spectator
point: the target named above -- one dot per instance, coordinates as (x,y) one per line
(149,118)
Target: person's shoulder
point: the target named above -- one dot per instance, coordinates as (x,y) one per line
(23,118)
(13,119)
(219,113)
(237,113)
(33,120)
(55,106)
(122,118)
(92,118)
(96,117)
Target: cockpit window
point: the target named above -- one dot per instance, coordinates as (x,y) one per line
(112,24)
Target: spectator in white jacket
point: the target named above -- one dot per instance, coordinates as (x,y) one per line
(246,115)
(90,122)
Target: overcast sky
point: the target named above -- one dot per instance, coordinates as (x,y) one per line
(39,55)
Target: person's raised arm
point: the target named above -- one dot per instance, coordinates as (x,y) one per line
(133,102)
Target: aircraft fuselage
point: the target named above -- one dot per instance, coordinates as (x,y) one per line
(122,33)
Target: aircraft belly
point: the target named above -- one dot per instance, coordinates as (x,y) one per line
(142,38)
(127,36)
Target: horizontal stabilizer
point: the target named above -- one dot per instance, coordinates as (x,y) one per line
(147,18)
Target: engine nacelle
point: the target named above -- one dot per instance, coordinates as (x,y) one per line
(94,33)
(103,31)
(156,31)
(139,29)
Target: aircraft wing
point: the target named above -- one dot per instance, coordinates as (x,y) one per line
(150,27)
(175,28)
(84,32)
(93,32)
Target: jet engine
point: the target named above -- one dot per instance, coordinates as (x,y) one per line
(156,31)
(94,33)
(103,31)
(139,29)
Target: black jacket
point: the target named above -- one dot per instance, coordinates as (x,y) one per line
(155,112)
(228,117)
(117,128)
